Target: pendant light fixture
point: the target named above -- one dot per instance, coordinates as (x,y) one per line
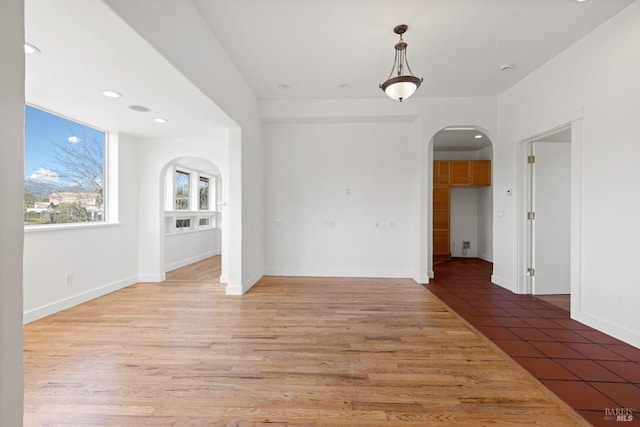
(403,85)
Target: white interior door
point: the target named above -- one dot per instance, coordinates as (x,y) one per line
(552,224)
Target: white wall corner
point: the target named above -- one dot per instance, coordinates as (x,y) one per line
(153,278)
(236,289)
(486,257)
(501,281)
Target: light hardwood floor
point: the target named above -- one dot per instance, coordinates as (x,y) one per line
(292,351)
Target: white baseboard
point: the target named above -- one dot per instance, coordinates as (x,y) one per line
(500,281)
(485,257)
(190,260)
(384,274)
(64,303)
(224,279)
(620,332)
(237,289)
(154,278)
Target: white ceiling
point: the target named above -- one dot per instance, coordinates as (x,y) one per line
(458,46)
(85,49)
(313,46)
(460,140)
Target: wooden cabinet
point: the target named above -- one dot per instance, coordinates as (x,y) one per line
(447,174)
(441,215)
(471,173)
(442,172)
(481,173)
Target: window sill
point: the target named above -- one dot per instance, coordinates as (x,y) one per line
(64,227)
(189,231)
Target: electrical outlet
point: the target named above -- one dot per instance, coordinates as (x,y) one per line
(68,279)
(466,245)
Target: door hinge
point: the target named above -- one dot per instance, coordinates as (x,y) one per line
(531,215)
(531,272)
(531,159)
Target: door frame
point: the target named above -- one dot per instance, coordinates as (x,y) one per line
(523,285)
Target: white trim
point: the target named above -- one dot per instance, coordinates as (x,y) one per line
(485,257)
(570,120)
(152,278)
(68,226)
(617,331)
(62,304)
(242,289)
(386,274)
(224,279)
(576,219)
(501,281)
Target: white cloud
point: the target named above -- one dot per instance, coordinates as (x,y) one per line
(44,175)
(74,139)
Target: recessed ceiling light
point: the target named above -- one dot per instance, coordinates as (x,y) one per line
(580,1)
(478,136)
(29,48)
(111,94)
(139,108)
(506,67)
(283,86)
(459,128)
(160,120)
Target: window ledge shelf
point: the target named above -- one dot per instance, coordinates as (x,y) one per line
(70,226)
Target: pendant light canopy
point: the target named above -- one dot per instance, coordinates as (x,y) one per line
(400,86)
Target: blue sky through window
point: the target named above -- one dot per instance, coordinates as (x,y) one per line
(42,130)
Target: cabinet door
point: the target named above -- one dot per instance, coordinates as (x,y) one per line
(441,215)
(441,172)
(481,173)
(460,172)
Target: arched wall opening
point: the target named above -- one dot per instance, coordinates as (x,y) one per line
(192,219)
(156,156)
(459,216)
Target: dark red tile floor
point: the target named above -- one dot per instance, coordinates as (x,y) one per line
(591,371)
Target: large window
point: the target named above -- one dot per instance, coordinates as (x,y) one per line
(64,170)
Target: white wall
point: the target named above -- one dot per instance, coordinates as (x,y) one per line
(595,83)
(427,116)
(11,192)
(101,259)
(464,221)
(341,199)
(185,248)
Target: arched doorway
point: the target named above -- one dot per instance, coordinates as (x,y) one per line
(462,194)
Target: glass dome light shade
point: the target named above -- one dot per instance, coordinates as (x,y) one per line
(401,87)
